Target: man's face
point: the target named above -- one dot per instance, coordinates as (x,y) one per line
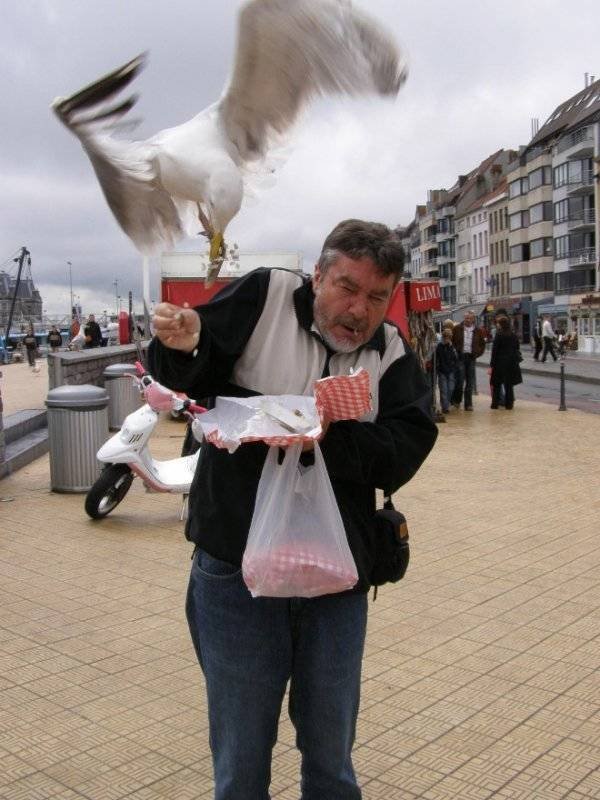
(351,300)
(469,320)
(91,318)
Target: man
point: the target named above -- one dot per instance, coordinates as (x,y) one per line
(31,346)
(548,337)
(54,339)
(92,333)
(469,342)
(274,332)
(537,340)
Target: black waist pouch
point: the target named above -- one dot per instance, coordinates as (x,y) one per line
(391,550)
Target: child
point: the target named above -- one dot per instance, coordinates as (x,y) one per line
(446,361)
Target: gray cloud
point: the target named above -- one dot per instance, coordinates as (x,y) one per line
(479,72)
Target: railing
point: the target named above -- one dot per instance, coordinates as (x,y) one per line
(587,255)
(575,289)
(585,217)
(586,178)
(582,135)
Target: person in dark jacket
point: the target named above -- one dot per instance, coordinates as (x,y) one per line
(54,339)
(31,346)
(504,364)
(274,332)
(92,333)
(446,359)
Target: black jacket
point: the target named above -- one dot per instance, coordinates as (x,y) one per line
(505,359)
(92,329)
(446,358)
(258,338)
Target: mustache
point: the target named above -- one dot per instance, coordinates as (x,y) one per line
(351,322)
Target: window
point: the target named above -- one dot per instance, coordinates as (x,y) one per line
(518,187)
(561,247)
(540,247)
(516,286)
(561,211)
(561,175)
(539,177)
(519,252)
(519,220)
(480,244)
(540,212)
(542,282)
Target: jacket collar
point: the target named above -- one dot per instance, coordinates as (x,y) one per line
(304,299)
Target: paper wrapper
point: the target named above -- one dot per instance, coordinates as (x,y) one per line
(236,420)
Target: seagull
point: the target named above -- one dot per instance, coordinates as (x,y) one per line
(288,53)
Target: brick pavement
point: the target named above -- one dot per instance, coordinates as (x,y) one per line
(481,676)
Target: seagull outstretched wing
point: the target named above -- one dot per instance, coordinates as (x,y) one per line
(290,52)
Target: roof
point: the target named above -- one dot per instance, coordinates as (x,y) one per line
(570,114)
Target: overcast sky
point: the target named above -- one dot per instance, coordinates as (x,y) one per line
(479,72)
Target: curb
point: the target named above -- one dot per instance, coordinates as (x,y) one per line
(545,374)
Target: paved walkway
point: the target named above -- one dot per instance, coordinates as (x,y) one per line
(481,675)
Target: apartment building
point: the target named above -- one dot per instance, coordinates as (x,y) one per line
(497,211)
(553,220)
(473,266)
(428,236)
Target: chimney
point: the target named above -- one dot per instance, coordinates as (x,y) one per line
(585,79)
(462,179)
(496,175)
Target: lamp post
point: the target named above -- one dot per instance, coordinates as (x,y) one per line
(117,298)
(71,290)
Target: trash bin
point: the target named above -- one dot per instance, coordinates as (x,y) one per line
(77,428)
(123,394)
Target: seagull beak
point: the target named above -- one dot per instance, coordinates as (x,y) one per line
(216,244)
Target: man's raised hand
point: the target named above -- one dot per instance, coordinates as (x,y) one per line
(177,327)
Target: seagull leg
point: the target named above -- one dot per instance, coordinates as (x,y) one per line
(217,248)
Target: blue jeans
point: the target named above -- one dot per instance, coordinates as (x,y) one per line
(248,649)
(467,363)
(446,387)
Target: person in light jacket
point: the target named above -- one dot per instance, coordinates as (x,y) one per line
(548,337)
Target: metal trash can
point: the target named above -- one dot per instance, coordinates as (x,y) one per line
(123,394)
(77,428)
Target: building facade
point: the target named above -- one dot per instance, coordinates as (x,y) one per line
(27,304)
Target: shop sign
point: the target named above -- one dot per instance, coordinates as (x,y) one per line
(590,300)
(425,296)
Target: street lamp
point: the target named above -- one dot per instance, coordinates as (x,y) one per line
(71,289)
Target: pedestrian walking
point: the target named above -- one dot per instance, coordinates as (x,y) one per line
(469,342)
(537,340)
(505,372)
(54,339)
(31,346)
(447,362)
(548,337)
(275,332)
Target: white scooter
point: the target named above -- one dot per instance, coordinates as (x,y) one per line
(127,453)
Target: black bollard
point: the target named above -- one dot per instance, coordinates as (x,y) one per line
(562,406)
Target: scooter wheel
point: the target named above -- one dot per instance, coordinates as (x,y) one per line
(108,491)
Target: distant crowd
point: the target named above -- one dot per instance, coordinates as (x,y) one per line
(461,344)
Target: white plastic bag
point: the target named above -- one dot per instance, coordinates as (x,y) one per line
(297,545)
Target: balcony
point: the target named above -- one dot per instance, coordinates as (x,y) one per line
(575,289)
(581,184)
(583,219)
(580,143)
(587,255)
